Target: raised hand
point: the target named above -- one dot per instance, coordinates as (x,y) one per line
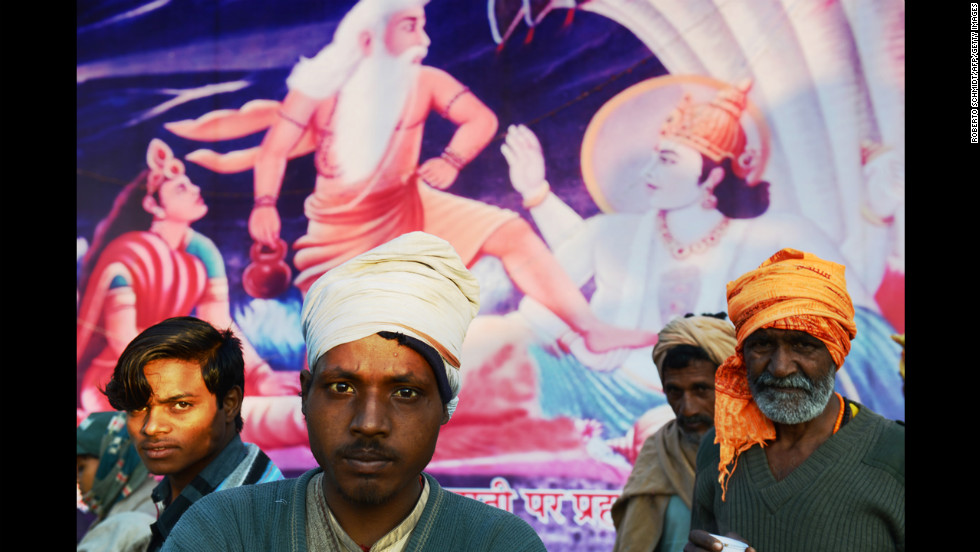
(523,152)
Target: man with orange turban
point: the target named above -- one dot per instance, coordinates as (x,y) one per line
(791,464)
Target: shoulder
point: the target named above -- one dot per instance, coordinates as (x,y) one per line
(887,453)
(709,452)
(456,522)
(204,249)
(240,517)
(431,74)
(122,531)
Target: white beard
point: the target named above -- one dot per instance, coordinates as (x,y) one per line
(369,106)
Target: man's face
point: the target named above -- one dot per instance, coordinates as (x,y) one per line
(791,374)
(182,428)
(85,468)
(405,30)
(671,176)
(691,394)
(373,413)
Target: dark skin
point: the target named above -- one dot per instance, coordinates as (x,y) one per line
(373,413)
(782,353)
(690,392)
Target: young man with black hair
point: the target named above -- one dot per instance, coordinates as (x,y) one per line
(181,383)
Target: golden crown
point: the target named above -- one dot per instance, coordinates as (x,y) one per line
(713,128)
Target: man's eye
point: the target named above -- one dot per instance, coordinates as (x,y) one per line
(758,345)
(340,387)
(182,405)
(406,393)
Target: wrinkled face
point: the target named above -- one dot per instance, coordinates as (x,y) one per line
(406,30)
(182,428)
(791,374)
(373,413)
(671,176)
(85,472)
(691,394)
(181,200)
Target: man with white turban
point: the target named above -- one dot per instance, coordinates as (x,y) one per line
(383,333)
(654,510)
(791,464)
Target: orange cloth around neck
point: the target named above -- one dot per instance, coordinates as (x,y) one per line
(792,290)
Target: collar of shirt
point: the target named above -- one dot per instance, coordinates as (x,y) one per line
(393,541)
(204,483)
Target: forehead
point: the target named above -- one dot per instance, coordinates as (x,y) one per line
(375,357)
(778,334)
(410,15)
(170,377)
(174,184)
(698,370)
(666,145)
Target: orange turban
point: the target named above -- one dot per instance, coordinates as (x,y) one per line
(792,290)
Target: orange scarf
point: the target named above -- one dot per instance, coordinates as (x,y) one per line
(792,290)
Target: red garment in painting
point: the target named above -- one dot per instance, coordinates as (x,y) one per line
(382,216)
(164,283)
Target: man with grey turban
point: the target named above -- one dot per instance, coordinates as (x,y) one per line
(383,334)
(654,510)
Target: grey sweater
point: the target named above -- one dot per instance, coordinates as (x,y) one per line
(272,516)
(848,495)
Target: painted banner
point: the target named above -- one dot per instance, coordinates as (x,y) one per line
(554,143)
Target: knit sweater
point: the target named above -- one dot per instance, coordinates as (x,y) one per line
(848,495)
(272,516)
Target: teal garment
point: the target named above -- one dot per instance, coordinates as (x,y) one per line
(848,495)
(272,516)
(677,525)
(566,387)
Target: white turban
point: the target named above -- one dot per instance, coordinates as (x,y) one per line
(415,285)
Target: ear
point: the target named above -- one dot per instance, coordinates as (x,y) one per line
(445,414)
(364,42)
(716,175)
(305,378)
(151,206)
(232,404)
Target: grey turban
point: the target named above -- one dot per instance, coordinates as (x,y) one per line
(715,336)
(415,285)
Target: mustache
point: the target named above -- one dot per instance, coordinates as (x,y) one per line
(793,381)
(367,450)
(696,419)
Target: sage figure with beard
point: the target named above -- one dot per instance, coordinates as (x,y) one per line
(654,510)
(362,103)
(791,464)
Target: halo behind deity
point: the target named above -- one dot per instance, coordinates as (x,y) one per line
(620,137)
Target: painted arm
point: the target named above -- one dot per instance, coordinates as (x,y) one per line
(260,378)
(297,110)
(553,217)
(475,121)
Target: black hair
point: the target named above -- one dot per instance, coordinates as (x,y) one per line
(681,356)
(181,338)
(736,198)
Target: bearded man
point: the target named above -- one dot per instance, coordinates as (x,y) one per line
(360,106)
(791,464)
